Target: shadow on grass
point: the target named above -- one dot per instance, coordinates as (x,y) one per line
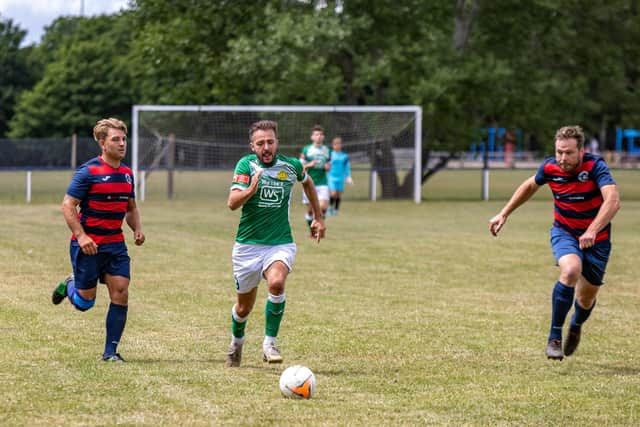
(616,370)
(258,367)
(153,361)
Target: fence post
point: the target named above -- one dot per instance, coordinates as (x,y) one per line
(373,185)
(485,173)
(74,151)
(29,186)
(171,164)
(142,182)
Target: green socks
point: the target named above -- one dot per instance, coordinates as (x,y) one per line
(237,324)
(273,314)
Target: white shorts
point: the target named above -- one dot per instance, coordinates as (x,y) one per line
(321,190)
(250,262)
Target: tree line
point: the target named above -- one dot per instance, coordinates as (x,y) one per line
(470,64)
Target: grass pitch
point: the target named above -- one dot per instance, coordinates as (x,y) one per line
(408,315)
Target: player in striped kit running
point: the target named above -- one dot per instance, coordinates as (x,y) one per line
(585,200)
(103,189)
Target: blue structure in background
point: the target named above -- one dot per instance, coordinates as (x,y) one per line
(630,135)
(494,146)
(627,141)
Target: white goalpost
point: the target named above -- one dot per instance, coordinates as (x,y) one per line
(384,140)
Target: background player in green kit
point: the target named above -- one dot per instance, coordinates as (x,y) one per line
(316,157)
(264,248)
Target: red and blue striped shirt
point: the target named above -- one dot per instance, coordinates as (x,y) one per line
(104,194)
(577,197)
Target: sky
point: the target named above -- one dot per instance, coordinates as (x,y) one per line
(34,15)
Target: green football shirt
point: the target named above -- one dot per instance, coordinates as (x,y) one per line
(265,216)
(322,155)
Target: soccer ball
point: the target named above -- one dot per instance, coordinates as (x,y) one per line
(297,382)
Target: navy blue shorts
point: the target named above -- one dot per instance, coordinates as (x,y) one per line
(594,259)
(88,269)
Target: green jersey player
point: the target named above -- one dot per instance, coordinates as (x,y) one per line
(316,160)
(264,248)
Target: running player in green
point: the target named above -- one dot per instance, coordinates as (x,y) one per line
(264,248)
(316,159)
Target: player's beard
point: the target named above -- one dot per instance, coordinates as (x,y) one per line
(267,158)
(569,167)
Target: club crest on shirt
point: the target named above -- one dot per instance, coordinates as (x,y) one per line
(583,176)
(282,176)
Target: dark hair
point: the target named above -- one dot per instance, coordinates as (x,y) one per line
(263,125)
(575,132)
(317,128)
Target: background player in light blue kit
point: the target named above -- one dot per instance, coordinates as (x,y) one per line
(339,173)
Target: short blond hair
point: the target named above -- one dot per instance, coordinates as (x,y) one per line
(101,129)
(568,132)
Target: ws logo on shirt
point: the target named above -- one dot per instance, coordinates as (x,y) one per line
(271,197)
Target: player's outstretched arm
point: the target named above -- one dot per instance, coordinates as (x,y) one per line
(308,165)
(135,222)
(238,197)
(523,193)
(317,225)
(70,213)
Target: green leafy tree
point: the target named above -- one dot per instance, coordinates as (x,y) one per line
(570,61)
(471,64)
(180,45)
(17,70)
(88,78)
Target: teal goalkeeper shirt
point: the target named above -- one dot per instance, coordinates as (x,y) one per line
(340,168)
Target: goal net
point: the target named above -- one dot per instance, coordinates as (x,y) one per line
(383,143)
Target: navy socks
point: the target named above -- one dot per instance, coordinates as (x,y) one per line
(116,319)
(561,301)
(580,315)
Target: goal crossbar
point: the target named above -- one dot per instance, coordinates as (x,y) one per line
(414,109)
